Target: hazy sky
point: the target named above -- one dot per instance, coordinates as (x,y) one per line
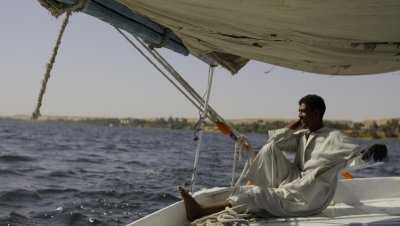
(97,73)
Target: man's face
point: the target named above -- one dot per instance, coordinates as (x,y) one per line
(307,116)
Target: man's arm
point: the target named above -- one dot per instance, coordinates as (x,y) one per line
(369,156)
(285,138)
(294,125)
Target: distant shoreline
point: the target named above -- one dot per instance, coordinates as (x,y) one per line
(369,129)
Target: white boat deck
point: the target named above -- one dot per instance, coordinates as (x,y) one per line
(373,201)
(377,212)
(368,201)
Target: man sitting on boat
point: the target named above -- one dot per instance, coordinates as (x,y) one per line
(283,188)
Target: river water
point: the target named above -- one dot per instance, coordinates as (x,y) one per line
(54,173)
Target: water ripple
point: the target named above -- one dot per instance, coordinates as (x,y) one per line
(72,174)
(15,158)
(19,195)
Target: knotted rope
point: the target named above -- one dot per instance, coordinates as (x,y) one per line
(56,9)
(36,113)
(167,33)
(234,216)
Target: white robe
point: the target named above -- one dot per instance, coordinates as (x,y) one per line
(305,187)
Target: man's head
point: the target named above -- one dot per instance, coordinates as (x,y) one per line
(311,110)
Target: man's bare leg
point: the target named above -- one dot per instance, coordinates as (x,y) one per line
(194,210)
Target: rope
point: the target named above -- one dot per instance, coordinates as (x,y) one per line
(230,216)
(173,73)
(164,41)
(192,96)
(234,161)
(57,8)
(36,113)
(212,114)
(242,141)
(158,68)
(238,149)
(202,123)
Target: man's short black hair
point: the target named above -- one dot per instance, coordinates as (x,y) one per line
(315,102)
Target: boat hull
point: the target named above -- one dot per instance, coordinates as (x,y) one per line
(374,201)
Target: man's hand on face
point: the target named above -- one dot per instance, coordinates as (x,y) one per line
(294,125)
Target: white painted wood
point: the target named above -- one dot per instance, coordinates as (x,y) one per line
(360,201)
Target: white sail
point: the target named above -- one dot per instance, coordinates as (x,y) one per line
(338,37)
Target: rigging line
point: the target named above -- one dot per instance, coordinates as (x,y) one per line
(159,69)
(197,128)
(212,113)
(36,113)
(238,145)
(171,70)
(202,118)
(235,135)
(242,142)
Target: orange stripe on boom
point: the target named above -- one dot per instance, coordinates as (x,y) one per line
(347,175)
(224,128)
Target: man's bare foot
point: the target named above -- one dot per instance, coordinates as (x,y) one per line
(193,208)
(249,183)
